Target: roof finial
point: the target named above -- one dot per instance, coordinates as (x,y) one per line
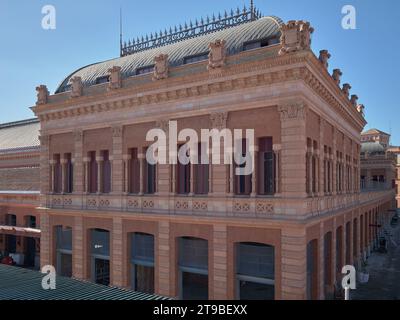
(120,32)
(252,9)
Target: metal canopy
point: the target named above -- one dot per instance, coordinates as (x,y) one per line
(23,284)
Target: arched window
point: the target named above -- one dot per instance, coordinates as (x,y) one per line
(63,251)
(142,262)
(193,268)
(255,271)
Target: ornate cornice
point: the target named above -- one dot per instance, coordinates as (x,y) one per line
(152,93)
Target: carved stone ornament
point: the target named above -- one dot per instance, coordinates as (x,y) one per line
(217,55)
(296,35)
(78,135)
(360,108)
(336,75)
(346,89)
(76,87)
(354,100)
(44,140)
(291,111)
(117,132)
(115,78)
(160,67)
(218,120)
(324,57)
(163,124)
(42,94)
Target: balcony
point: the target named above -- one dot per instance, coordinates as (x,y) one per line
(369,186)
(263,207)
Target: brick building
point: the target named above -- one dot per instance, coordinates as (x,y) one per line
(19,191)
(201,231)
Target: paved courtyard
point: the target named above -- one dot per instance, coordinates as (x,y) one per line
(384,272)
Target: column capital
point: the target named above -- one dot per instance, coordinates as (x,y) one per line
(219,119)
(292,110)
(126,157)
(99,159)
(78,135)
(117,131)
(276,147)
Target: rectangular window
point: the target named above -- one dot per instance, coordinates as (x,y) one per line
(144,70)
(31,222)
(195,58)
(69,174)
(57,174)
(92,172)
(134,172)
(106,183)
(11,220)
(142,260)
(266,167)
(259,43)
(103,79)
(242,182)
(201,172)
(149,178)
(183,177)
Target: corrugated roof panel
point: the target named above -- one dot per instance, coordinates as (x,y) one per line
(23,284)
(19,136)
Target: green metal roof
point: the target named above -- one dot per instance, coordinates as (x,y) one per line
(23,284)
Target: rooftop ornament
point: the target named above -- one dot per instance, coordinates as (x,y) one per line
(193,29)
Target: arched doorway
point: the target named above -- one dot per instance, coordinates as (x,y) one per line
(100,256)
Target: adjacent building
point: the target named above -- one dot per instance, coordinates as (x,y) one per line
(19,191)
(199,231)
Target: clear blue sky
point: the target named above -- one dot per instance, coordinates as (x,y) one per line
(88,31)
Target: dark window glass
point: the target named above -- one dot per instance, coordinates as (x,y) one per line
(11,220)
(102,79)
(256,260)
(195,58)
(193,253)
(134,172)
(144,70)
(106,172)
(100,242)
(63,238)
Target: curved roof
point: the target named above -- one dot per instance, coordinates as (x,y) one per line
(262,28)
(372,148)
